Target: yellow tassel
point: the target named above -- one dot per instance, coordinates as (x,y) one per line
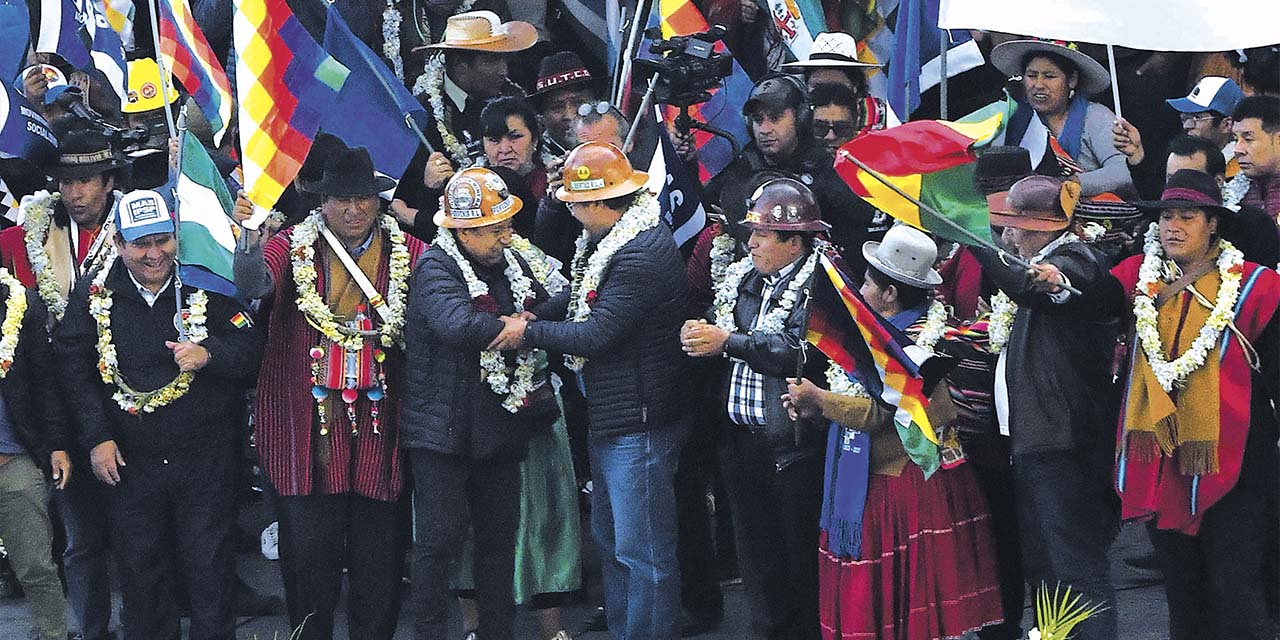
(1198,458)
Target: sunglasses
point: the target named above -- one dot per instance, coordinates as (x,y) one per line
(586,108)
(842,129)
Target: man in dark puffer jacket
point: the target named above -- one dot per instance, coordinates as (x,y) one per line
(466,441)
(624,312)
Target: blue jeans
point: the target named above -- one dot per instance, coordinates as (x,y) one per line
(633,518)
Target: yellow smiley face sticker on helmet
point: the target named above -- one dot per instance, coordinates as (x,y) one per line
(583,172)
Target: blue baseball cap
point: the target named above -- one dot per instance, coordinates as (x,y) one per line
(142,213)
(1213,93)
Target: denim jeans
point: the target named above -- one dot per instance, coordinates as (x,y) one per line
(82,506)
(24,524)
(633,518)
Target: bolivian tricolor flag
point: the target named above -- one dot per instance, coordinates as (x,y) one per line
(930,160)
(847,331)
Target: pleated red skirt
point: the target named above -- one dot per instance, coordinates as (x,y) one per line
(928,568)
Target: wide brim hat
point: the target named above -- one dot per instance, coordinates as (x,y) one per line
(1188,189)
(348,173)
(324,146)
(83,153)
(561,70)
(1008,57)
(484,31)
(832,50)
(1038,203)
(905,254)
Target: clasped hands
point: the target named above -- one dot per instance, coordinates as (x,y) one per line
(700,339)
(512,334)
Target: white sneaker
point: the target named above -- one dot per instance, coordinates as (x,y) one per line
(271,541)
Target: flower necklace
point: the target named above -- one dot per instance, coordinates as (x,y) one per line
(935,326)
(15,310)
(515,384)
(432,82)
(775,320)
(1004,309)
(722,250)
(37,210)
(391,19)
(545,268)
(1234,191)
(313,306)
(1154,269)
(587,272)
(128,398)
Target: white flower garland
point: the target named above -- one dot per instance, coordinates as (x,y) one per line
(37,211)
(775,320)
(432,82)
(391,19)
(545,268)
(722,250)
(935,326)
(1154,269)
(1091,231)
(643,215)
(15,310)
(126,397)
(515,384)
(1000,322)
(312,305)
(1235,190)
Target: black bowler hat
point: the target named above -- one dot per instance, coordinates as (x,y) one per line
(999,167)
(325,146)
(349,172)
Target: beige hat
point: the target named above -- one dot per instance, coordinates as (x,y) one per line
(831,49)
(484,31)
(905,254)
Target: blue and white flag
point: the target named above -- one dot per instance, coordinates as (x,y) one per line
(15,36)
(23,131)
(78,31)
(915,64)
(669,178)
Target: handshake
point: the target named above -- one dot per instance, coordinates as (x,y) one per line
(512,335)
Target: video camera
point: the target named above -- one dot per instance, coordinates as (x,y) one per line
(689,66)
(72,102)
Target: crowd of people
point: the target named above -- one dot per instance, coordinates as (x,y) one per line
(431,368)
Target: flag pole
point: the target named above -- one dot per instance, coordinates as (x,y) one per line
(807,292)
(943,44)
(177,222)
(1115,84)
(642,113)
(1005,256)
(154,10)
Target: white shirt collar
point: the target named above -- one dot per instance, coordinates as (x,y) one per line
(147,295)
(456,95)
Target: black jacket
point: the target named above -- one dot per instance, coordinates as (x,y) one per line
(199,423)
(636,375)
(448,407)
(852,220)
(29,388)
(1059,356)
(774,356)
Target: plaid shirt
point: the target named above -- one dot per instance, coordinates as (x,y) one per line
(746,387)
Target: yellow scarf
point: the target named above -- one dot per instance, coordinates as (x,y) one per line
(1186,421)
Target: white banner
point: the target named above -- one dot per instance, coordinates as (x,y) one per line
(1158,25)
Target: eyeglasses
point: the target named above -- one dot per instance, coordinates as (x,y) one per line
(842,129)
(1188,118)
(586,108)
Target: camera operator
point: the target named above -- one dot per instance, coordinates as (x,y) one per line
(779,121)
(144,112)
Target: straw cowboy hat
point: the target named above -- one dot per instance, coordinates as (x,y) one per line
(484,31)
(831,49)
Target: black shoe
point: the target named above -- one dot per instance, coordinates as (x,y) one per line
(695,624)
(597,622)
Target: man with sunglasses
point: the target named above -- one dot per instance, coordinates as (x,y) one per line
(835,120)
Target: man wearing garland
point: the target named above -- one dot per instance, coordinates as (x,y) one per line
(469,410)
(1053,390)
(328,406)
(1198,424)
(64,237)
(771,465)
(464,70)
(623,314)
(154,382)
